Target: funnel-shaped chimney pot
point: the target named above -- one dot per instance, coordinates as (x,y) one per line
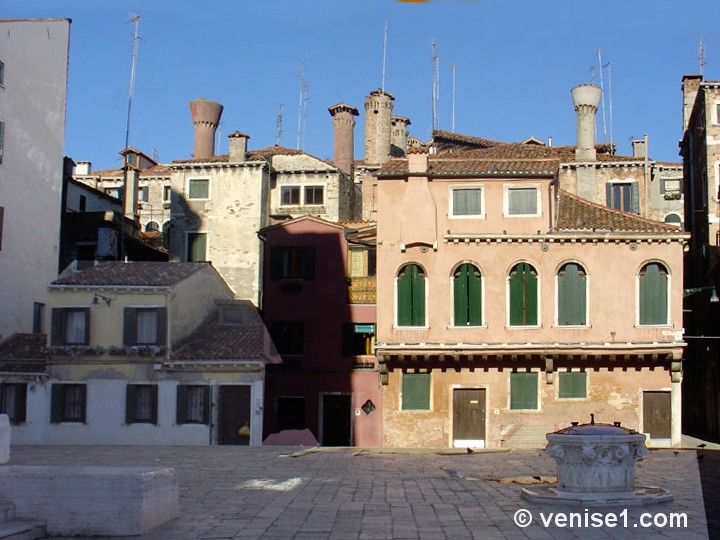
(205,118)
(586,98)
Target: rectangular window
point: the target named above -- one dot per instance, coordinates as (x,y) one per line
(141,404)
(2,73)
(415,391)
(314,195)
(198,188)
(522,201)
(358,339)
(290,196)
(38,318)
(466,201)
(2,215)
(2,139)
(292,262)
(523,391)
(69,403)
(572,384)
(193,404)
(145,326)
(143,194)
(70,326)
(197,247)
(166,193)
(717,112)
(288,336)
(82,205)
(13,401)
(623,196)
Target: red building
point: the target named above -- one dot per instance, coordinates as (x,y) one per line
(319,305)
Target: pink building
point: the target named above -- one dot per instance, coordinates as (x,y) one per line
(508,307)
(319,305)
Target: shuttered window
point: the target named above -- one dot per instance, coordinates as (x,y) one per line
(415,391)
(145,326)
(572,295)
(522,201)
(467,296)
(198,189)
(288,336)
(523,391)
(292,262)
(68,403)
(523,285)
(197,247)
(193,404)
(411,296)
(466,201)
(623,196)
(141,404)
(13,401)
(653,294)
(573,384)
(70,326)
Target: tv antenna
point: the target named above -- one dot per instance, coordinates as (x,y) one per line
(302,107)
(385,36)
(278,124)
(603,67)
(453,68)
(701,57)
(436,85)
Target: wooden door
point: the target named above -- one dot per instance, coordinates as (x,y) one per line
(234,415)
(657,418)
(336,417)
(469,417)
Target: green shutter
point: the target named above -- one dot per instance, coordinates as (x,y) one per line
(474,297)
(571,296)
(181,405)
(468,296)
(410,297)
(57,402)
(653,295)
(416,391)
(523,391)
(418,297)
(404,298)
(523,296)
(635,198)
(573,384)
(461,296)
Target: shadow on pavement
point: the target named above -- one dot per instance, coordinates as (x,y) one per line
(709,467)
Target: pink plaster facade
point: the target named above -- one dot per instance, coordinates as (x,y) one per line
(622,358)
(321,375)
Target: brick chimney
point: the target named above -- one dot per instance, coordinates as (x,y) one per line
(205,118)
(378,113)
(343,135)
(237,147)
(399,135)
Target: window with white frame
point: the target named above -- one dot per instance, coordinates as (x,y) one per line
(143,194)
(68,403)
(653,288)
(141,404)
(196,247)
(522,201)
(314,195)
(198,188)
(302,195)
(166,193)
(466,201)
(193,404)
(290,196)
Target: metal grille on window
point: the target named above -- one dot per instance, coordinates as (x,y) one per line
(73,403)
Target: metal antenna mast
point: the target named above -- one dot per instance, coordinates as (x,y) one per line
(278,123)
(701,57)
(382,87)
(302,106)
(452,68)
(602,93)
(135,19)
(436,85)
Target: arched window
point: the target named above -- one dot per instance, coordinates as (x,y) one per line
(572,295)
(467,296)
(411,296)
(523,290)
(653,294)
(674,219)
(152,226)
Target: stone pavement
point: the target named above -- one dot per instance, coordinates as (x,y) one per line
(247,493)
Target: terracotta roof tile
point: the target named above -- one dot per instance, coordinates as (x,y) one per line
(23,353)
(576,214)
(137,273)
(477,167)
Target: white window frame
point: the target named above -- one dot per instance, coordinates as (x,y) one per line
(167,188)
(301,199)
(207,244)
(426,325)
(187,190)
(587,385)
(402,396)
(482,296)
(539,392)
(507,297)
(506,199)
(460,187)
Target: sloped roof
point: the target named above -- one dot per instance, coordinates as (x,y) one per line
(577,214)
(216,340)
(23,353)
(459,166)
(251,155)
(133,274)
(440,136)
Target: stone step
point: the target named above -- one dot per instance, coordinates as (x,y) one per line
(21,530)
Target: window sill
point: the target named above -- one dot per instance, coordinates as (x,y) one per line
(469,327)
(395,327)
(572,326)
(469,216)
(522,215)
(661,325)
(528,327)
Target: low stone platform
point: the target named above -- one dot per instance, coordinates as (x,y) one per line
(92,501)
(640,496)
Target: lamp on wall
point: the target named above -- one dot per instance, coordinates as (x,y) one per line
(96,299)
(713,297)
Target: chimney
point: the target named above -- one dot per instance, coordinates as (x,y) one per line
(399,135)
(690,87)
(418,159)
(586,98)
(343,136)
(205,118)
(237,143)
(639,149)
(378,111)
(83,168)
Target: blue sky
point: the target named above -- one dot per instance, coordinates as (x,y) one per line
(515,65)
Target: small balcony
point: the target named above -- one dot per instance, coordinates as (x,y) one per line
(361,290)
